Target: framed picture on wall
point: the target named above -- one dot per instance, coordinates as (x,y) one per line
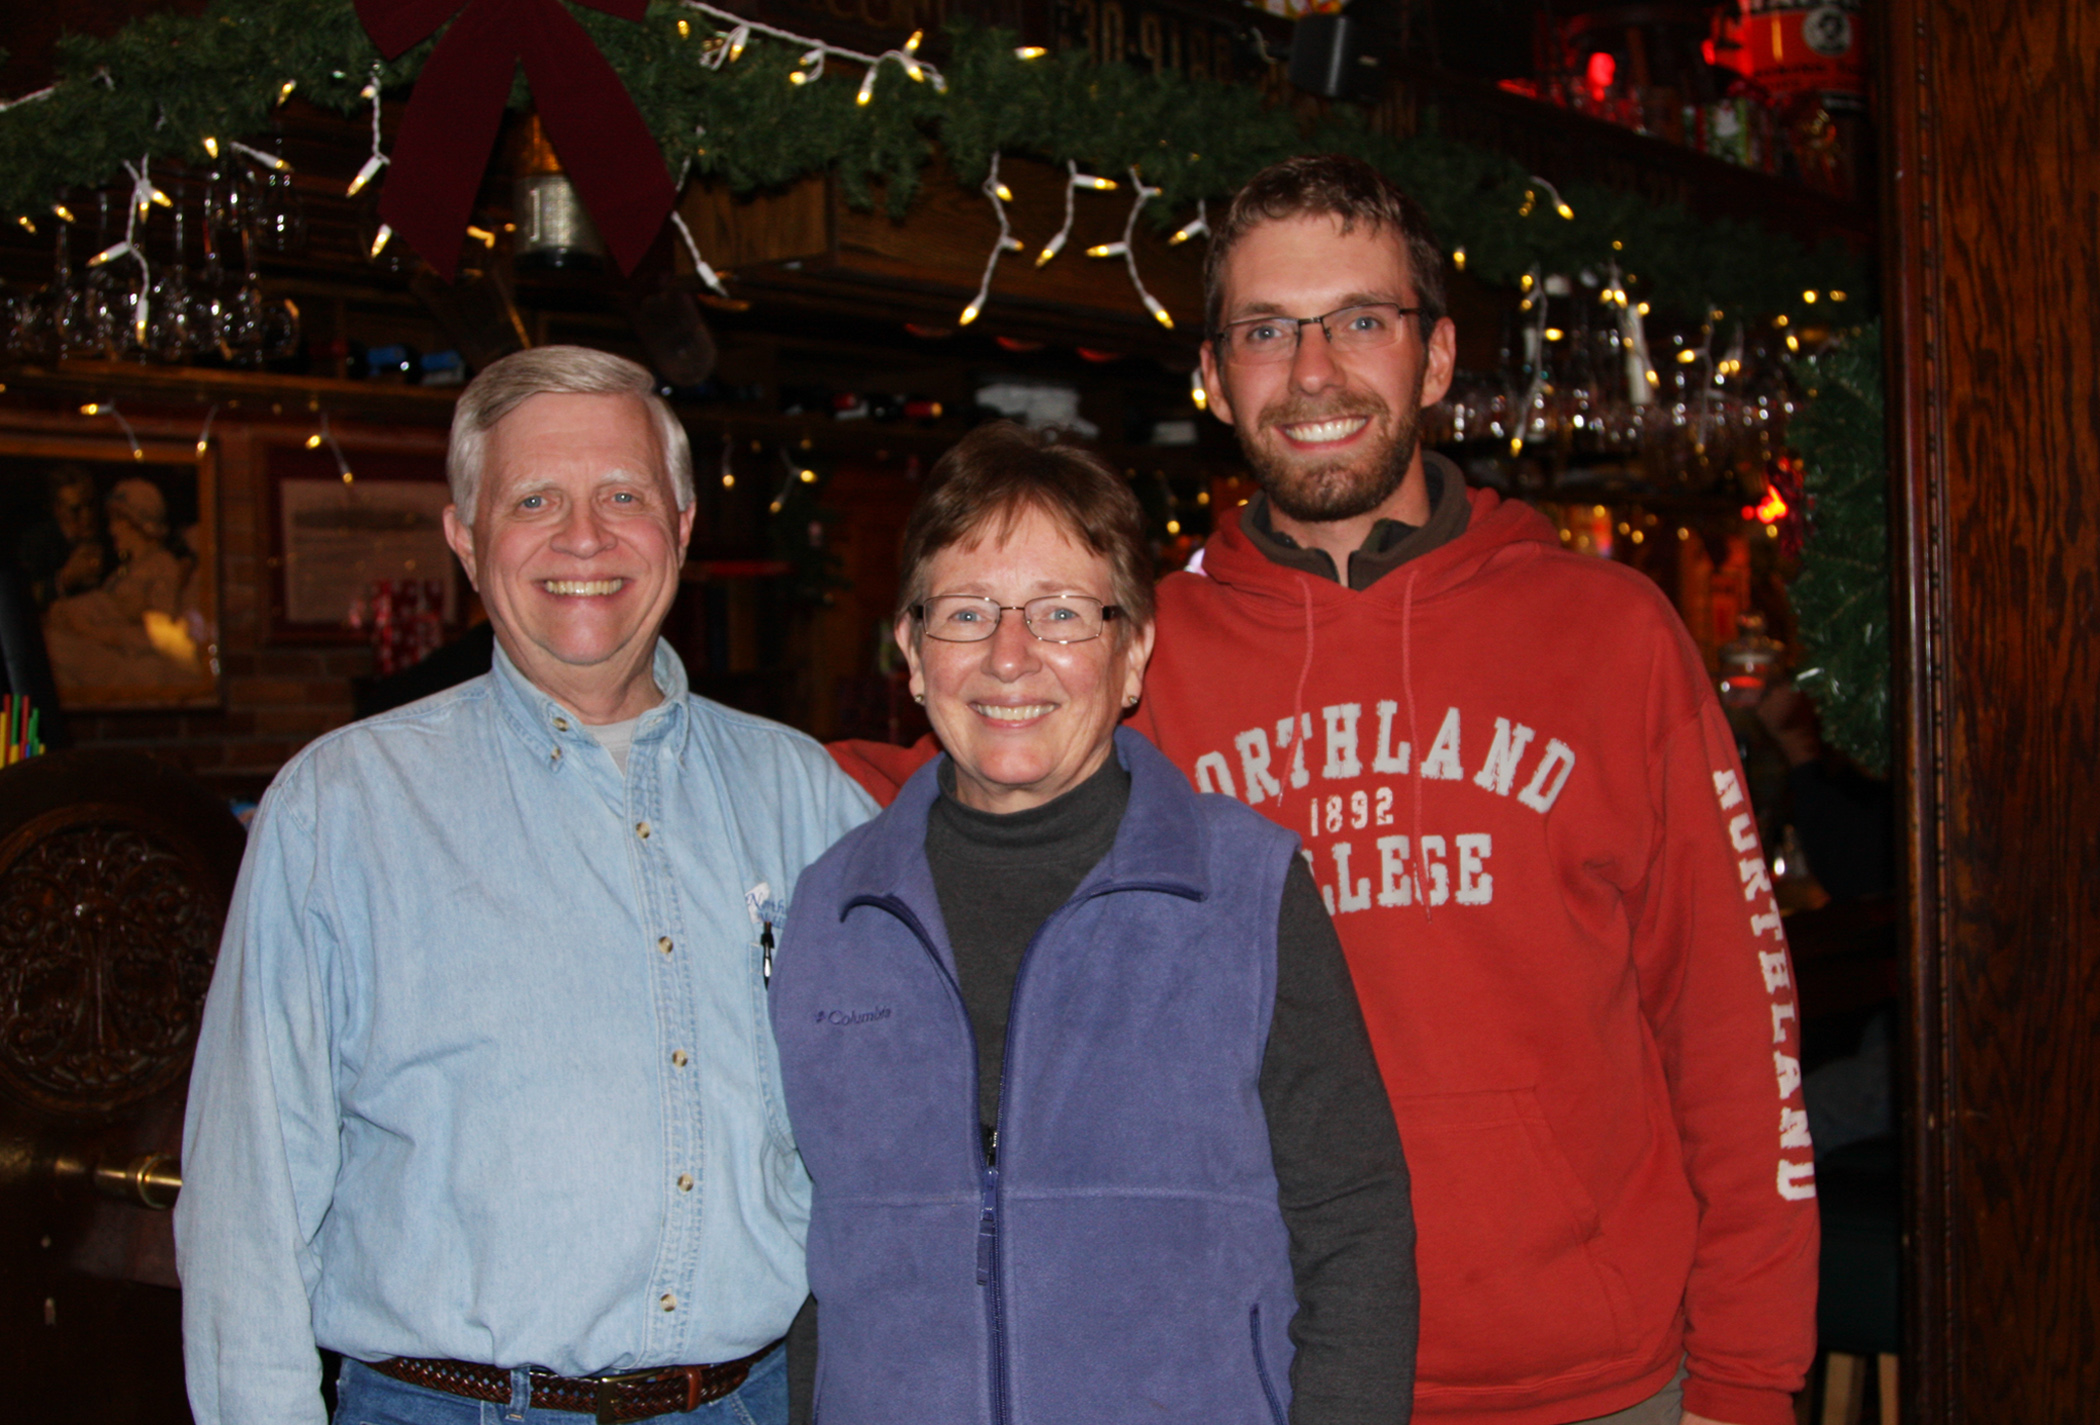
(352,554)
(116,546)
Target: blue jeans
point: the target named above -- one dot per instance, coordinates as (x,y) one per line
(365,1397)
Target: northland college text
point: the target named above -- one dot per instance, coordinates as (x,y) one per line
(1457,866)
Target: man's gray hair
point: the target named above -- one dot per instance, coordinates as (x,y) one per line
(555,371)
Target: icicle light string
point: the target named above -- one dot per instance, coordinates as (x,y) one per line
(109,408)
(706,273)
(1198,226)
(378,160)
(143,196)
(1128,252)
(44,93)
(815,52)
(1074,181)
(1560,204)
(999,195)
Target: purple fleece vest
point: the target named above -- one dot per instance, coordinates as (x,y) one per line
(1125,1260)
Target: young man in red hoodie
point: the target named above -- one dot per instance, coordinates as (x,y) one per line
(1522,804)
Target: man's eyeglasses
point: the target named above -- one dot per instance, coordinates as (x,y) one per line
(972,618)
(1369,326)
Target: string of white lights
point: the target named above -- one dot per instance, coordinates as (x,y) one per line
(1534,300)
(1126,250)
(1642,380)
(378,160)
(109,408)
(733,40)
(1198,226)
(795,471)
(44,93)
(143,196)
(1531,198)
(1000,195)
(1074,181)
(706,273)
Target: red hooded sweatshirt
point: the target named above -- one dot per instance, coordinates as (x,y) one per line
(1587,1023)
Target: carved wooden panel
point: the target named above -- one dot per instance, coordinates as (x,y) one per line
(114,878)
(106,946)
(1994,117)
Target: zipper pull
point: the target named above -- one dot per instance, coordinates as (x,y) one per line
(987,1227)
(765,944)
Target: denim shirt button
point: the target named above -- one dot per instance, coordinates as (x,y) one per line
(678,1057)
(668,1301)
(561,724)
(641,829)
(685,1182)
(663,943)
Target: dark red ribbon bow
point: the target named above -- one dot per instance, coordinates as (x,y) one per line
(443,146)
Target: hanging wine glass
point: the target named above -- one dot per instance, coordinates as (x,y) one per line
(171,330)
(212,315)
(64,326)
(109,298)
(278,220)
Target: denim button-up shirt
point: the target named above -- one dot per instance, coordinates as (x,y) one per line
(485,1071)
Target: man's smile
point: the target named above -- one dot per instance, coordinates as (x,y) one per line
(1324,432)
(583,588)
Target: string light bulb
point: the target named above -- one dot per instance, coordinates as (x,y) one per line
(1809,297)
(1458,258)
(1108,249)
(1158,311)
(1198,226)
(1198,395)
(65,214)
(23,219)
(380,239)
(284,90)
(211,146)
(1030,52)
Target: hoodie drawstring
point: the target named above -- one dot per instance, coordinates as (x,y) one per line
(1414,735)
(1299,727)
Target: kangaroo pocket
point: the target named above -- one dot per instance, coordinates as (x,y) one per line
(1515,1286)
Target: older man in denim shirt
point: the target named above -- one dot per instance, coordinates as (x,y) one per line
(485,1098)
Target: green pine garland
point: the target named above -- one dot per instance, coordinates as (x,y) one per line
(1841,595)
(165,81)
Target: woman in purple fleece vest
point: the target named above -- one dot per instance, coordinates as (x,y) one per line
(1071,1051)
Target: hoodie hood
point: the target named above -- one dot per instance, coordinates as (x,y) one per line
(1498,533)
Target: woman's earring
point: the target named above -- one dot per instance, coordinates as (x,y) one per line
(918,698)
(1131,701)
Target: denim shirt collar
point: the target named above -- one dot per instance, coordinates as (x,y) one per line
(553,730)
(1159,846)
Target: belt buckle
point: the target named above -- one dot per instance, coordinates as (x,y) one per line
(605,1397)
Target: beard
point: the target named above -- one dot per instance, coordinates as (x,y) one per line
(1318,491)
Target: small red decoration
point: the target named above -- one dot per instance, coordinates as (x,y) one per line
(446,136)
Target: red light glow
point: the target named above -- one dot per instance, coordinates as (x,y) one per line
(1599,73)
(1771,509)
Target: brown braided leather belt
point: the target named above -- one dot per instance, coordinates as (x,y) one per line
(637,1395)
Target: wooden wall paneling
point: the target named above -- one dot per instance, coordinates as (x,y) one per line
(1993,219)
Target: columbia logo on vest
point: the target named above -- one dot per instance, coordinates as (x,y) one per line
(852,1016)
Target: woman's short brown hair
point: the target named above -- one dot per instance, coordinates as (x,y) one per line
(997,473)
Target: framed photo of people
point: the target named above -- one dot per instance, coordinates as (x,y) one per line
(116,546)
